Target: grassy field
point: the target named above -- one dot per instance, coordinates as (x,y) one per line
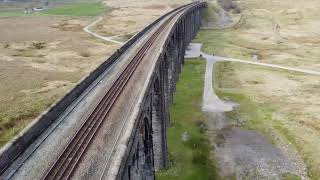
(81,9)
(276,116)
(76,9)
(280,104)
(222,43)
(190,159)
(283,33)
(38,68)
(14,120)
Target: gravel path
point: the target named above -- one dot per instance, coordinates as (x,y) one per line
(241,153)
(306,71)
(110,39)
(211,102)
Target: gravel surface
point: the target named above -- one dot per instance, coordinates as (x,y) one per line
(247,154)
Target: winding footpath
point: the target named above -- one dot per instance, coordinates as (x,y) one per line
(306,71)
(211,102)
(109,39)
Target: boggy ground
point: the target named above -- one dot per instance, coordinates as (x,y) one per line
(43,55)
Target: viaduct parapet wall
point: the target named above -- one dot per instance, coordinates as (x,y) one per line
(147,149)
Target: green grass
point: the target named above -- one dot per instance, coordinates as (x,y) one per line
(257,116)
(76,9)
(81,9)
(190,159)
(288,176)
(222,43)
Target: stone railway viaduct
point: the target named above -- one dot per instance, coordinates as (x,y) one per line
(144,149)
(148,146)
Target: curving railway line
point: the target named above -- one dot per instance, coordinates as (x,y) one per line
(91,123)
(67,161)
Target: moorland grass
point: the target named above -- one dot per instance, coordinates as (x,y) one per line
(78,9)
(259,116)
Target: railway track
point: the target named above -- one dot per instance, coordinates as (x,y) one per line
(68,160)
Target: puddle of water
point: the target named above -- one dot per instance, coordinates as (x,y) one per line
(239,153)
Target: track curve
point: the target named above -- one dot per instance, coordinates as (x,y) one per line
(68,160)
